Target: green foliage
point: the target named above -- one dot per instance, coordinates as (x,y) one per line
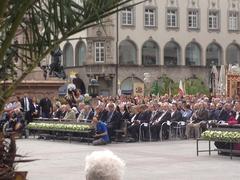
(163,86)
(59,127)
(166,85)
(228,136)
(195,85)
(155,88)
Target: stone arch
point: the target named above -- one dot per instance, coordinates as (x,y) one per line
(150,53)
(80,53)
(127,84)
(172,54)
(127,52)
(193,54)
(68,55)
(214,54)
(233,54)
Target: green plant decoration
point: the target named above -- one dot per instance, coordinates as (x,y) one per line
(195,85)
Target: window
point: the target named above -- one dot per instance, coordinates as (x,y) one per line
(193,54)
(172,21)
(127,16)
(213,55)
(213,20)
(193,17)
(150,53)
(99,52)
(233,21)
(127,52)
(233,54)
(171,54)
(80,53)
(150,17)
(68,55)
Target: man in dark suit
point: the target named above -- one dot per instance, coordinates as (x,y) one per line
(226,112)
(153,114)
(103,113)
(176,116)
(27,108)
(46,107)
(156,125)
(113,119)
(142,119)
(89,113)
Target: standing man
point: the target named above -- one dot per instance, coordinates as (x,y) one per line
(46,107)
(27,108)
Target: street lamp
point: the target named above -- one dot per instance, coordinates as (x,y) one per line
(93,88)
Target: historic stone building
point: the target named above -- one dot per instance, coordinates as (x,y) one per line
(179,38)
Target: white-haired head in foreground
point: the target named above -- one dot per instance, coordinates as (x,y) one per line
(104,165)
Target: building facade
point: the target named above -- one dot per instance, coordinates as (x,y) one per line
(178,38)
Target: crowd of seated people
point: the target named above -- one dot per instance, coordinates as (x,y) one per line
(141,118)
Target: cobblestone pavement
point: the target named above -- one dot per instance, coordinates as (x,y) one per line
(154,161)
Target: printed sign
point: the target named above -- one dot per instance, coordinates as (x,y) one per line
(138,89)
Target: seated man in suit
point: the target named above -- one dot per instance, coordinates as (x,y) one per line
(141,117)
(86,114)
(154,113)
(226,112)
(89,113)
(113,119)
(198,119)
(176,116)
(103,113)
(156,125)
(70,113)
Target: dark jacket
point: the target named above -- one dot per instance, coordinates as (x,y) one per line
(115,121)
(31,106)
(225,115)
(156,116)
(165,117)
(45,105)
(176,116)
(144,117)
(103,115)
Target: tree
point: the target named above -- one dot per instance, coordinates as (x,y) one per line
(195,85)
(164,85)
(44,24)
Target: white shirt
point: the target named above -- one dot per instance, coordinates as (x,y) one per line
(237,115)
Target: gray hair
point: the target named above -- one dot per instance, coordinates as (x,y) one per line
(104,165)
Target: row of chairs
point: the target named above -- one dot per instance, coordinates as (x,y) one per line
(176,130)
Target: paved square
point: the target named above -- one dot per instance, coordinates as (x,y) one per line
(156,161)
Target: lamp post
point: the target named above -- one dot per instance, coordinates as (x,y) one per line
(147,82)
(93,88)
